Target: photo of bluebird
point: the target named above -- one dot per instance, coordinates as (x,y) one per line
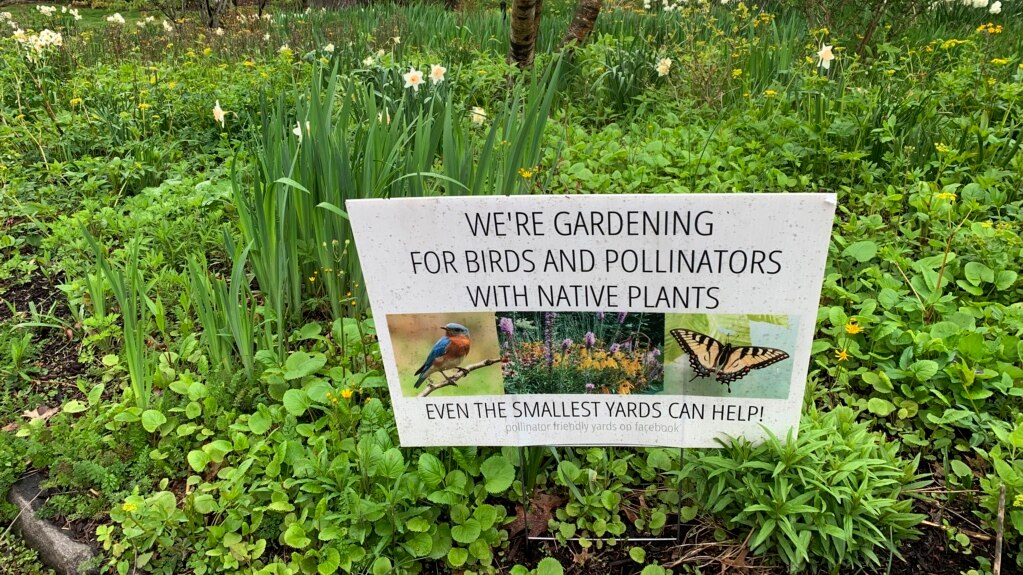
(447,353)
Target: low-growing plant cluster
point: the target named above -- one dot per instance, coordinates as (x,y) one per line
(189,356)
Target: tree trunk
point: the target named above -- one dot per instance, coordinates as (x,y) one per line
(583,21)
(525,22)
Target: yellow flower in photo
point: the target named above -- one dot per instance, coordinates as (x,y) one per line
(853,328)
(129,507)
(999,61)
(75,101)
(346,393)
(842,355)
(144,106)
(526,173)
(770,93)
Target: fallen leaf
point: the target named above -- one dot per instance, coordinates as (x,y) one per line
(42,412)
(10,427)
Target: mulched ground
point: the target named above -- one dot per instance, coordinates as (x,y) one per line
(57,359)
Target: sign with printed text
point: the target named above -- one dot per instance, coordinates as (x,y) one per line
(656,320)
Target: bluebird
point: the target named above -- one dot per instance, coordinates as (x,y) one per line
(447,353)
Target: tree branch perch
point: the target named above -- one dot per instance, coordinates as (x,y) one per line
(453,380)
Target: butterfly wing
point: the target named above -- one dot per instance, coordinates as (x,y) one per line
(741,360)
(702,350)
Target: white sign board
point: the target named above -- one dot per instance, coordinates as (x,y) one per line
(658,320)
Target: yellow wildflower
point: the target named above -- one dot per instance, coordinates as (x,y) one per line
(999,61)
(853,328)
(129,507)
(770,93)
(346,393)
(144,106)
(947,196)
(526,173)
(842,355)
(76,101)
(736,72)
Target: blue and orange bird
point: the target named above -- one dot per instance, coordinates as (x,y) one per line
(447,353)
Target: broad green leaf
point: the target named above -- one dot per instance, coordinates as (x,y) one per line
(296,401)
(977,273)
(961,469)
(75,406)
(217,449)
(295,536)
(498,474)
(549,566)
(392,464)
(259,422)
(152,420)
(881,407)
(382,566)
(198,460)
(301,364)
(862,251)
(204,503)
(457,556)
(638,554)
(420,544)
(1004,279)
(417,524)
(467,532)
(924,369)
(330,560)
(486,514)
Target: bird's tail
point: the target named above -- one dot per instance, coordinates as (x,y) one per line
(422,378)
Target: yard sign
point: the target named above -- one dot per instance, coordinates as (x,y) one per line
(657,320)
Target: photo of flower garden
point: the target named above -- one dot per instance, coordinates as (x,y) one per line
(582,352)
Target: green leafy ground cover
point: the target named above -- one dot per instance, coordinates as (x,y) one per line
(187,354)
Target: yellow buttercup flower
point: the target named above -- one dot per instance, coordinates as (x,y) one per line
(526,173)
(853,328)
(129,507)
(770,93)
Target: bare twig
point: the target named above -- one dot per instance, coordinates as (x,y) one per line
(462,372)
(997,569)
(967,532)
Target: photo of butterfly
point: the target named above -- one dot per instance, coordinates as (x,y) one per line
(727,363)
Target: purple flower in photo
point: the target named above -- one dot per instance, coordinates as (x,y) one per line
(589,339)
(614,348)
(590,387)
(566,344)
(506,326)
(600,316)
(656,352)
(621,317)
(548,338)
(627,346)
